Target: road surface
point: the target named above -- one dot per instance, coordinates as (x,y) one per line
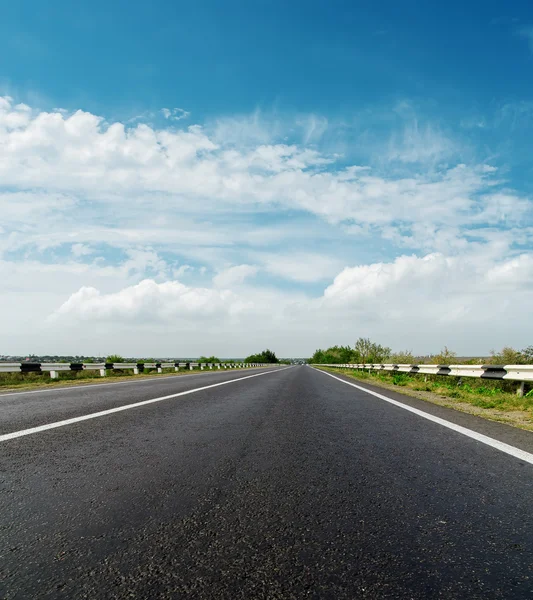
(285,484)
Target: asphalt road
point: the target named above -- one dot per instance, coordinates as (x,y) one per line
(289,484)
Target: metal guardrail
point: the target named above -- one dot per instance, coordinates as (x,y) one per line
(136,368)
(521,373)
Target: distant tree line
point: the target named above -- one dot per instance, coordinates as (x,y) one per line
(209,360)
(366,351)
(116,358)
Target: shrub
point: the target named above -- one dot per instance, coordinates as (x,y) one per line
(446,357)
(114,358)
(507,356)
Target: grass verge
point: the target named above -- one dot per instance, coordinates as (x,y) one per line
(493,400)
(15,382)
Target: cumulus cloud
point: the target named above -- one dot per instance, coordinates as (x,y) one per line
(427,291)
(83,155)
(101,221)
(233,276)
(303,267)
(424,277)
(152,301)
(438,299)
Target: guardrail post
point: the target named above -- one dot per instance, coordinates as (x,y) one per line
(54,374)
(190,366)
(521,389)
(176,367)
(135,370)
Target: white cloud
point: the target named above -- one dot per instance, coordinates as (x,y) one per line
(181,270)
(514,274)
(243,131)
(151,301)
(422,302)
(82,159)
(420,144)
(436,289)
(81,250)
(314,127)
(175,114)
(302,267)
(406,276)
(233,276)
(229,200)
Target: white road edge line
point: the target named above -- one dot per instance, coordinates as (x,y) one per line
(110,411)
(84,386)
(484,439)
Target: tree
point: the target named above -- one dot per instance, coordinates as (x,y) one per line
(404,357)
(366,351)
(318,357)
(333,355)
(446,357)
(527,353)
(209,360)
(114,358)
(267,356)
(507,356)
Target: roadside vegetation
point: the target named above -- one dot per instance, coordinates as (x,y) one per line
(494,397)
(210,360)
(365,351)
(32,380)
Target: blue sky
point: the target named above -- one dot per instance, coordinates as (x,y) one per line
(341,161)
(230,57)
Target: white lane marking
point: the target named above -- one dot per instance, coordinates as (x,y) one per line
(110,411)
(94,385)
(484,439)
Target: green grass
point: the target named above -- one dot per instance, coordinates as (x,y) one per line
(498,395)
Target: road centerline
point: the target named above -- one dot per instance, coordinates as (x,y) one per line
(33,430)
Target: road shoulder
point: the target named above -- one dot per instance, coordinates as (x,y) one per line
(504,431)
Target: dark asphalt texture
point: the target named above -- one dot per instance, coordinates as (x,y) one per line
(287,485)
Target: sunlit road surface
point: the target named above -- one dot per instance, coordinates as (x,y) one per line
(283,483)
